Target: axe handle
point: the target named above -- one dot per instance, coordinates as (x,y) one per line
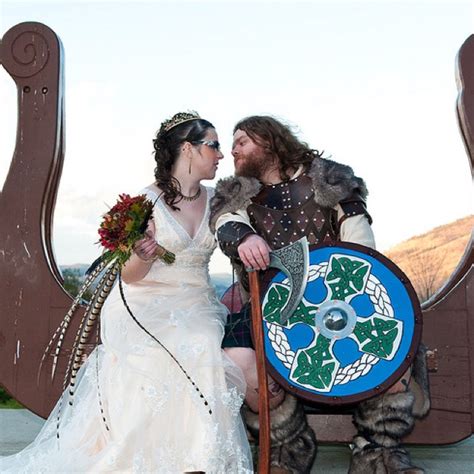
(263,408)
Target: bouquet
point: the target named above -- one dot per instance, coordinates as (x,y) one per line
(124,225)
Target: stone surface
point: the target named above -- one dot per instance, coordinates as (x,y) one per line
(19,428)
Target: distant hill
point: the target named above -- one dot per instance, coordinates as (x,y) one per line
(221,281)
(78,268)
(430,258)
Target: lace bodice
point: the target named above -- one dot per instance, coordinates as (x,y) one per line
(192,254)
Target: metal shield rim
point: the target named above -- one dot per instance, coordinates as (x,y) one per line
(266,278)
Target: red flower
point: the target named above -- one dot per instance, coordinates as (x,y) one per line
(124,224)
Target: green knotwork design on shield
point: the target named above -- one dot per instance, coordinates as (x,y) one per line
(378,335)
(277,297)
(346,277)
(317,366)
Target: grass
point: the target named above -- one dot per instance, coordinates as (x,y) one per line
(6,401)
(10,404)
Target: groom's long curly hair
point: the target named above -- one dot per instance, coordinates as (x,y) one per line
(279,141)
(167,146)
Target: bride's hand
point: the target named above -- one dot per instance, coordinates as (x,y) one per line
(146,248)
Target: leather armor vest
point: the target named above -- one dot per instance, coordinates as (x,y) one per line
(286,212)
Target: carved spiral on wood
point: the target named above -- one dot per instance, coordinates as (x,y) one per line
(27,55)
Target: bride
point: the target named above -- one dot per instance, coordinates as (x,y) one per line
(135,409)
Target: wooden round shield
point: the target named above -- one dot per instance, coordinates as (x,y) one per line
(354,333)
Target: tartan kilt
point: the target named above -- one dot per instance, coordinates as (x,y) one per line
(237,329)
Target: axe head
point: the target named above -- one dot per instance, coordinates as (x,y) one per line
(293,261)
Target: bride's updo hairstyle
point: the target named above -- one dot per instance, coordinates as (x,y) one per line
(182,127)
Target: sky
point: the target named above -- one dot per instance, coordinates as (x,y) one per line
(370,83)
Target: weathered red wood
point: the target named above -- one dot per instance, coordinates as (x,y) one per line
(470,304)
(465,102)
(31,292)
(437,429)
(465,109)
(447,331)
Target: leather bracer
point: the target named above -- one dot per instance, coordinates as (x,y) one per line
(230,236)
(352,206)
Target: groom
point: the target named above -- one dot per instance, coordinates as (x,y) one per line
(283,191)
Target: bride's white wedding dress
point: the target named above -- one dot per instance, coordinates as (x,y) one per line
(155,419)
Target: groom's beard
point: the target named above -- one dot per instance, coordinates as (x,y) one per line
(251,165)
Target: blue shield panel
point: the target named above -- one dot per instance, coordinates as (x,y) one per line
(354,333)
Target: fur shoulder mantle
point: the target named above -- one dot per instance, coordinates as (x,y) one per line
(333,182)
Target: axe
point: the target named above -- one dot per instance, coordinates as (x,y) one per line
(293,261)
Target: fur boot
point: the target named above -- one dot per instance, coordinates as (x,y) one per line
(381,423)
(293,443)
(370,458)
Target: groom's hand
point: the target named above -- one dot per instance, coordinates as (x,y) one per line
(254,252)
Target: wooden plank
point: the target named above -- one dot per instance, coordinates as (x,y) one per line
(441,427)
(445,330)
(470,306)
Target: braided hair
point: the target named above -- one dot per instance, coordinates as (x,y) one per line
(167,147)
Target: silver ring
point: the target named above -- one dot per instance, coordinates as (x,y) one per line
(249,269)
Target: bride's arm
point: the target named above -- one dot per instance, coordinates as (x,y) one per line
(135,269)
(142,258)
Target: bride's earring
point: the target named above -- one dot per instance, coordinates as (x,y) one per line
(189,155)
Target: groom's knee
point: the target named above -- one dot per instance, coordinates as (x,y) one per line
(244,357)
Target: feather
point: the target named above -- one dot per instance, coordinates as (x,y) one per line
(99,395)
(97,301)
(94,264)
(63,326)
(90,315)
